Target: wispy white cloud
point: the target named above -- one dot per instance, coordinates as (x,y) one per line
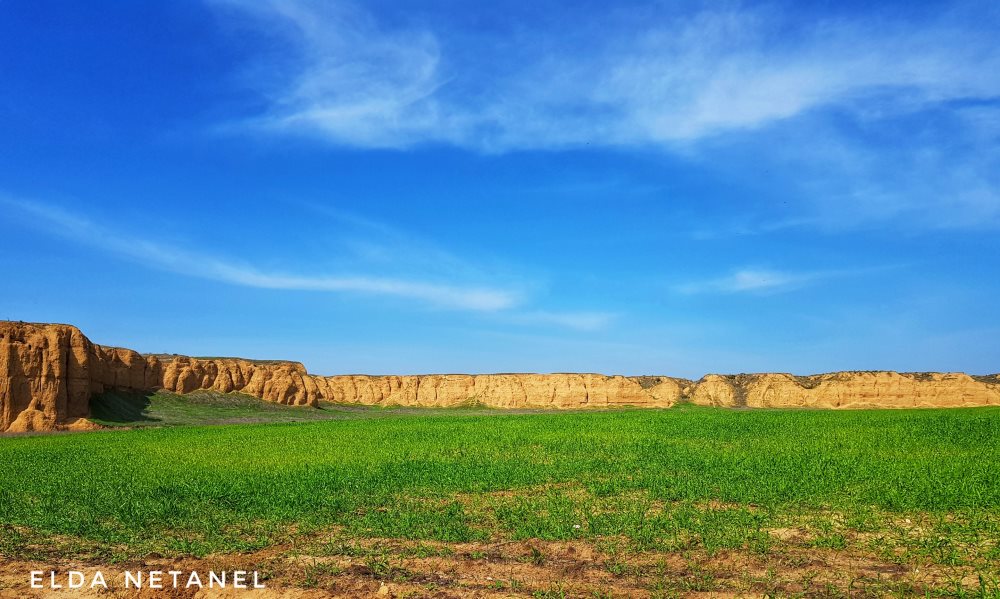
(747,281)
(763,281)
(355,83)
(510,304)
(379,243)
(943,172)
(696,83)
(672,80)
(216,268)
(581,321)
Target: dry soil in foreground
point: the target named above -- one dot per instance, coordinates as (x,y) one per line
(339,567)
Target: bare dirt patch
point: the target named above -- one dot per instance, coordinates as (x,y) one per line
(339,567)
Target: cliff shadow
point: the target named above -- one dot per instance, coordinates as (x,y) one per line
(121,407)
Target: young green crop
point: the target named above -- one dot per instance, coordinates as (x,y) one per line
(685,477)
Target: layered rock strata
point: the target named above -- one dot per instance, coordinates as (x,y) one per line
(49,372)
(848,390)
(502,390)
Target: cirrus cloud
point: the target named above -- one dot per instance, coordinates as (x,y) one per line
(358,81)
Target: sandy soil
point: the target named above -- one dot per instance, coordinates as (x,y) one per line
(390,568)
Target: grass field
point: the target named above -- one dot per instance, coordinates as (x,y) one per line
(158,409)
(669,501)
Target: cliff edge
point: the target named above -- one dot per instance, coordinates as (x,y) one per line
(49,372)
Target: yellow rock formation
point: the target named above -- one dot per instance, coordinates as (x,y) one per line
(848,390)
(498,390)
(49,372)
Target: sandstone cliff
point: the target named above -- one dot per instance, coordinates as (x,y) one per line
(49,372)
(501,390)
(848,390)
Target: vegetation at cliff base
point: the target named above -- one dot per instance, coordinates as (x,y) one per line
(122,409)
(919,486)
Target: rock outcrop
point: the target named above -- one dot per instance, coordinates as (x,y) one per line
(501,390)
(49,372)
(45,380)
(848,390)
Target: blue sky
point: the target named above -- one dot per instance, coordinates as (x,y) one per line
(386,187)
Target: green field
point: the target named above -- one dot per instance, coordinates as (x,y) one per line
(161,408)
(907,487)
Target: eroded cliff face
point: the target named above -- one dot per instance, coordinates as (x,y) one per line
(49,372)
(500,390)
(847,390)
(280,382)
(45,379)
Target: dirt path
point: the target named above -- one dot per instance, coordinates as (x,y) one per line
(390,568)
